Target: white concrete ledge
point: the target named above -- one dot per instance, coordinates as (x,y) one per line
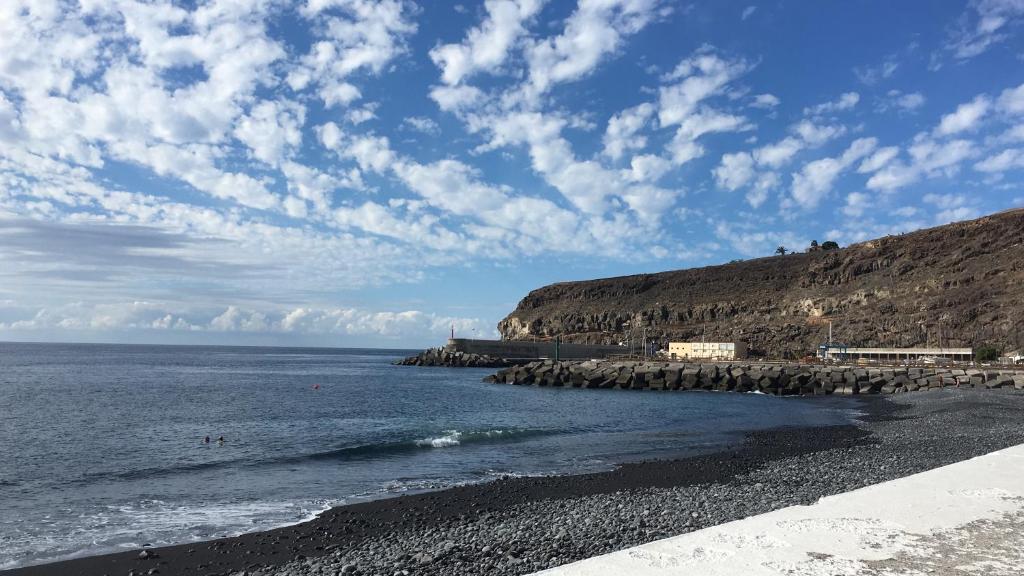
(965,518)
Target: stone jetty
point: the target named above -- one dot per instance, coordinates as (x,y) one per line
(442,357)
(776,379)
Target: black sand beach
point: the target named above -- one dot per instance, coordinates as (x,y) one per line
(520,525)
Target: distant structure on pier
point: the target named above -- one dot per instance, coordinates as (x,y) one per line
(835,351)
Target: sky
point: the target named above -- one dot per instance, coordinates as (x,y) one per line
(372,173)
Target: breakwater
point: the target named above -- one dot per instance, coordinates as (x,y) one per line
(531,350)
(778,379)
(444,357)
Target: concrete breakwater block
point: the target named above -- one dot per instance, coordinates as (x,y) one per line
(777,379)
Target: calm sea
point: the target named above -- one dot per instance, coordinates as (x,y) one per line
(101,445)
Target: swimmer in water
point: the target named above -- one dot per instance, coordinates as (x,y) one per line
(220,440)
(206,440)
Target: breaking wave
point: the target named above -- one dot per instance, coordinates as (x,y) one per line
(444,439)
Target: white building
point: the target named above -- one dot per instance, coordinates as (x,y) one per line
(707,350)
(1014,357)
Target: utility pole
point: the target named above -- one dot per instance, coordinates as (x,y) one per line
(645,342)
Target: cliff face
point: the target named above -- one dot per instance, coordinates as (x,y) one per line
(957,285)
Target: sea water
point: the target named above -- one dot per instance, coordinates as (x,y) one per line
(101,446)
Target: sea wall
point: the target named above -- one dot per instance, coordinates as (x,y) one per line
(778,379)
(531,350)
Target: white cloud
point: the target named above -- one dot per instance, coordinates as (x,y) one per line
(766,101)
(587,184)
(928,158)
(696,79)
(815,134)
(903,102)
(622,134)
(779,153)
(859,229)
(272,130)
(1012,135)
(758,194)
(456,98)
(846,101)
(735,170)
(872,75)
(1011,101)
(338,321)
(451,186)
(362,114)
(352,321)
(486,47)
(816,179)
(965,118)
(358,35)
(684,146)
(951,207)
(738,169)
(750,239)
(236,320)
(647,168)
(422,124)
(878,160)
(856,204)
(1009,159)
(986,23)
(595,29)
(748,12)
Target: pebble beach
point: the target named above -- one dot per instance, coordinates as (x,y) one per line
(522,525)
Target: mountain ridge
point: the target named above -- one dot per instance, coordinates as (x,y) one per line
(955,285)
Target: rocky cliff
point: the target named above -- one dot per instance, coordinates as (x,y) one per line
(956,285)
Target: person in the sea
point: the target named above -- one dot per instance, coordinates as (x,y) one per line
(220,440)
(206,440)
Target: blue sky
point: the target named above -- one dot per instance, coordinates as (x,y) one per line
(348,172)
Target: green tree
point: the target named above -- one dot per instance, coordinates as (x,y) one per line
(814,243)
(987,353)
(781,250)
(829,245)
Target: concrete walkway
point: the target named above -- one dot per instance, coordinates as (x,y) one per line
(963,519)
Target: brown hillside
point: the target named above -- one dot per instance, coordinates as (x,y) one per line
(960,284)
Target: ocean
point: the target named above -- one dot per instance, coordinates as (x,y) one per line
(101,446)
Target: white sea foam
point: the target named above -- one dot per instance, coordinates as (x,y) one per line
(153,522)
(450,438)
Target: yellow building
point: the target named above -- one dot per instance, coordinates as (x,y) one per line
(707,350)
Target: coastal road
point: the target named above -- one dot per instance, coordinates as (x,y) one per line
(960,519)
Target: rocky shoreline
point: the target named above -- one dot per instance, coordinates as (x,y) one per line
(776,379)
(442,357)
(519,525)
